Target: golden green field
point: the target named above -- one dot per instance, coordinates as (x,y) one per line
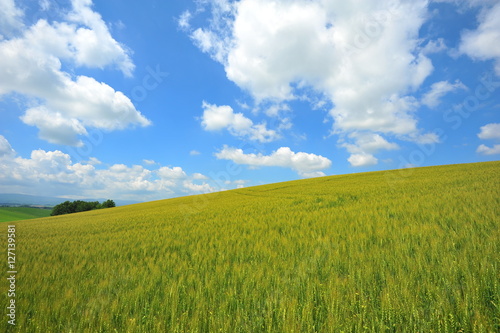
(395,251)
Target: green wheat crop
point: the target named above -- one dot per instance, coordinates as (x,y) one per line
(395,251)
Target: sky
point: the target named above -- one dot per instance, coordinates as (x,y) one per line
(146,100)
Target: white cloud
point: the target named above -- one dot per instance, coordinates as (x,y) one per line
(10,18)
(365,144)
(5,147)
(434,46)
(94,46)
(184,20)
(364,56)
(52,173)
(425,138)
(149,162)
(194,153)
(216,118)
(198,176)
(313,174)
(32,66)
(240,183)
(54,127)
(93,161)
(208,42)
(490,131)
(277,43)
(484,42)
(44,4)
(275,109)
(485,150)
(363,159)
(40,169)
(302,163)
(368,143)
(201,188)
(440,89)
(219,117)
(260,133)
(172,173)
(212,42)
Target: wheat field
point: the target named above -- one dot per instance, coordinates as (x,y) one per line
(396,251)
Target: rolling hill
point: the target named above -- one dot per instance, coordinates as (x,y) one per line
(415,250)
(8,214)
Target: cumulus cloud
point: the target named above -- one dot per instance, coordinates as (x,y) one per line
(313,174)
(198,188)
(490,131)
(364,146)
(93,44)
(172,173)
(216,118)
(303,163)
(363,159)
(5,147)
(484,42)
(67,105)
(365,57)
(53,173)
(485,150)
(439,89)
(10,18)
(54,127)
(368,142)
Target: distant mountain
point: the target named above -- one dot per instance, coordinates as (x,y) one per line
(24,199)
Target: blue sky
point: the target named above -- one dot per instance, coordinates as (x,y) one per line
(157,99)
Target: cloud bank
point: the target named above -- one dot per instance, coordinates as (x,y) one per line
(63,105)
(306,165)
(52,173)
(365,58)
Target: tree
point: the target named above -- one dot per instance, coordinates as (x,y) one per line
(108,204)
(63,208)
(69,207)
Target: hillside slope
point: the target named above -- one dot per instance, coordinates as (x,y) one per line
(399,251)
(8,214)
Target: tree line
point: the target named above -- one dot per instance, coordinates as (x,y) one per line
(69,207)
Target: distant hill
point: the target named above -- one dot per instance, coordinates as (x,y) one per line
(12,199)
